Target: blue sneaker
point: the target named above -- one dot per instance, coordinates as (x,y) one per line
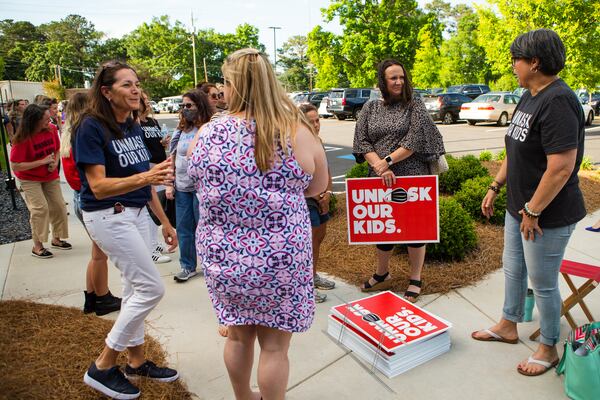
(110,382)
(151,371)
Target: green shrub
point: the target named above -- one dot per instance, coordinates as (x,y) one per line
(333,204)
(501,155)
(358,171)
(457,233)
(486,155)
(586,164)
(472,193)
(460,170)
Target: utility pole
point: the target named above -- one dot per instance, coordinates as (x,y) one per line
(194,50)
(59,75)
(275,46)
(205,73)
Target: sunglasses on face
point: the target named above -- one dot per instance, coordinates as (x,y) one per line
(187,105)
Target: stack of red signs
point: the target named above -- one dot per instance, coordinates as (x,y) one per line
(389,332)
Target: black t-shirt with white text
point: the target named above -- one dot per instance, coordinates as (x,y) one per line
(550,122)
(152,137)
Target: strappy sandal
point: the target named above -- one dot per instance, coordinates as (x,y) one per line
(410,295)
(382,283)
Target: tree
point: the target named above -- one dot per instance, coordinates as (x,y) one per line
(577,22)
(12,34)
(294,60)
(42,60)
(464,60)
(325,53)
(426,70)
(162,55)
(374,30)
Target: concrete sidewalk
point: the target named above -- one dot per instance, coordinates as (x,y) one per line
(185,324)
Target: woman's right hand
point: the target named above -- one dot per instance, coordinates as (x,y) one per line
(161,174)
(170,192)
(487,205)
(49,159)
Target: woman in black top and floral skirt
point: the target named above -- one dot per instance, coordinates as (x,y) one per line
(397,137)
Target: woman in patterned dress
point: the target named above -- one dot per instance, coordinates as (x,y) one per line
(397,138)
(253,167)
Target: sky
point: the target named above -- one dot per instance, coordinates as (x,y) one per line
(116,18)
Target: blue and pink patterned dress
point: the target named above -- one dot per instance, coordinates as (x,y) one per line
(253,237)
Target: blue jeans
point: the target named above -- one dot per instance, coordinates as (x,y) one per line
(539,259)
(187,214)
(77,205)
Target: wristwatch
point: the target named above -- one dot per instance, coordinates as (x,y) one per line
(388,159)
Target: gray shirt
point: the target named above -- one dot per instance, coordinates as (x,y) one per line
(179,147)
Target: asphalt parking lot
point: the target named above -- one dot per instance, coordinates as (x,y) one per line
(459,139)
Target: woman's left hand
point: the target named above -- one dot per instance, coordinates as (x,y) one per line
(380,167)
(170,236)
(529,226)
(389,179)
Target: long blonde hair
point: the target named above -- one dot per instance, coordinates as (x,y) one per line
(256,92)
(75,108)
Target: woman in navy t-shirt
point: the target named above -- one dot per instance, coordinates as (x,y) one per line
(113,163)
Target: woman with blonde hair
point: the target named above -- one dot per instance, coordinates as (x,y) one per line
(98,297)
(252,168)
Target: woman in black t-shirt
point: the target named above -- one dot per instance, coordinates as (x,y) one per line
(544,148)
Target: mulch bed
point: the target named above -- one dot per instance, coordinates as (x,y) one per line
(14,224)
(46,349)
(354,264)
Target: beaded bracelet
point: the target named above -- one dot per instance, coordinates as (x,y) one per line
(530,213)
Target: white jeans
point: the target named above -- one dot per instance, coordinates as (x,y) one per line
(125,238)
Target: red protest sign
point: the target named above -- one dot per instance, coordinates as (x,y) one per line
(388,319)
(405,213)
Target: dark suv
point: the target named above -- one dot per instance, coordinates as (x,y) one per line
(344,103)
(445,107)
(471,90)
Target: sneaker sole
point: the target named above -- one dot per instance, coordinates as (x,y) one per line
(61,248)
(164,380)
(186,279)
(91,382)
(324,287)
(42,257)
(162,262)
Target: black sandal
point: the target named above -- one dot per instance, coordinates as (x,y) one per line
(382,283)
(43,253)
(412,294)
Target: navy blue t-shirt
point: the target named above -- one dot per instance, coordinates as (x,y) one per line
(120,157)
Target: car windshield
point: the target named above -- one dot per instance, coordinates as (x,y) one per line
(336,94)
(487,98)
(454,89)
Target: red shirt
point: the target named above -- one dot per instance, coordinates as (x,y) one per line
(35,148)
(71,173)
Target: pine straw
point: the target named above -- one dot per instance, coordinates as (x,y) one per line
(46,349)
(355,264)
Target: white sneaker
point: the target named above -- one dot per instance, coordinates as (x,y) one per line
(163,249)
(159,258)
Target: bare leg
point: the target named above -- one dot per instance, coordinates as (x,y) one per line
(37,246)
(544,352)
(318,234)
(383,265)
(107,359)
(416,258)
(273,364)
(135,356)
(505,328)
(239,356)
(98,271)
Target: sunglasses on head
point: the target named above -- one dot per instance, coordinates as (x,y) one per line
(187,105)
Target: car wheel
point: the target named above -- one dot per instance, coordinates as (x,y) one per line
(341,117)
(448,118)
(503,120)
(590,118)
(471,122)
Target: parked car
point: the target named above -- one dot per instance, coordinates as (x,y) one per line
(490,107)
(519,91)
(300,97)
(323,108)
(315,98)
(445,107)
(344,103)
(470,90)
(594,102)
(589,113)
(155,107)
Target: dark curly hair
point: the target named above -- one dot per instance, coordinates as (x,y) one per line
(543,44)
